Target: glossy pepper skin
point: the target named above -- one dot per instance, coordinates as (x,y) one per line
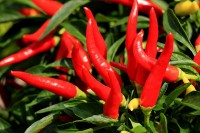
(59,87)
(97,87)
(80,59)
(96,58)
(99,41)
(28,38)
(29,51)
(111,107)
(151,47)
(143,5)
(130,37)
(50,7)
(172,72)
(119,66)
(151,89)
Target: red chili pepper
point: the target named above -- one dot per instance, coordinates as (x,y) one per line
(97,59)
(59,87)
(130,37)
(197,60)
(97,87)
(172,72)
(80,59)
(62,77)
(48,6)
(65,49)
(120,66)
(27,38)
(151,47)
(29,51)
(99,41)
(29,11)
(197,56)
(197,44)
(111,107)
(151,89)
(143,5)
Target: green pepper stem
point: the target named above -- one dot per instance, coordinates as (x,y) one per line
(147,114)
(189,76)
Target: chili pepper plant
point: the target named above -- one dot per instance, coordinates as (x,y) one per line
(127,66)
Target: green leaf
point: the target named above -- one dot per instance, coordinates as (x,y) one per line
(42,96)
(192,100)
(162,126)
(75,32)
(182,129)
(42,70)
(183,62)
(61,106)
(89,130)
(42,123)
(175,93)
(5,127)
(161,3)
(4,27)
(10,15)
(172,24)
(65,62)
(137,127)
(113,49)
(84,110)
(67,9)
(97,120)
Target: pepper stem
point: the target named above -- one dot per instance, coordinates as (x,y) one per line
(147,114)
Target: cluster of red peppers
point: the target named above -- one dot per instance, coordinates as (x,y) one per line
(143,69)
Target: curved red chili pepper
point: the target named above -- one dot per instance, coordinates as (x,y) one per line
(172,72)
(143,5)
(80,59)
(151,89)
(83,67)
(29,51)
(27,38)
(111,107)
(120,66)
(48,6)
(97,59)
(130,36)
(151,47)
(29,11)
(59,87)
(65,49)
(197,44)
(97,87)
(99,41)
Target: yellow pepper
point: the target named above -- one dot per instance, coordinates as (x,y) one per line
(186,7)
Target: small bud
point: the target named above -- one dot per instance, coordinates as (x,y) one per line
(134,104)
